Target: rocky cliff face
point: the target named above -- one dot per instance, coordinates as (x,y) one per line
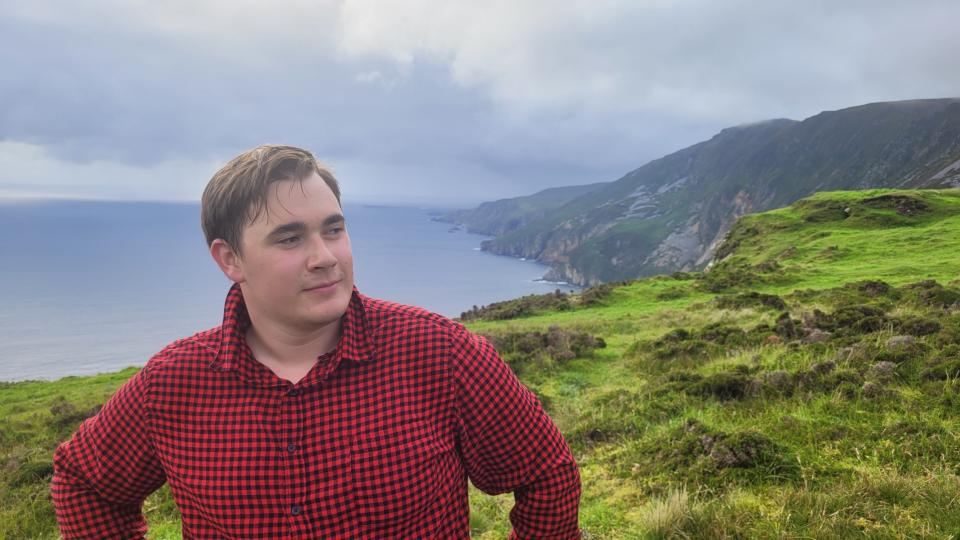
(671,213)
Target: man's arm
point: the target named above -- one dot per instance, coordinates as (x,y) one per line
(510,444)
(103,474)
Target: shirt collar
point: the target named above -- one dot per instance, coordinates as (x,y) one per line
(354,344)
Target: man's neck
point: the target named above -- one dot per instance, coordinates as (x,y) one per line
(287,351)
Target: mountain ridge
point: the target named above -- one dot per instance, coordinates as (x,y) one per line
(671,213)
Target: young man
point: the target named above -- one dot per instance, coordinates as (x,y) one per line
(313,411)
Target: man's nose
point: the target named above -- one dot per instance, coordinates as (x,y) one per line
(320,255)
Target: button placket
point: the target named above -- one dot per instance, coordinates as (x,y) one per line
(292,413)
(293,425)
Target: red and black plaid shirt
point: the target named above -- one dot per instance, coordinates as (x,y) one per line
(377,441)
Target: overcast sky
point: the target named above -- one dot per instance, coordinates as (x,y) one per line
(438,102)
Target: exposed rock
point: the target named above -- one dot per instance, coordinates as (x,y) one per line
(816,335)
(897,343)
(823,368)
(871,389)
(884,370)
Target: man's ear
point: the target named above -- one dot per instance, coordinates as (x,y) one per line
(227,259)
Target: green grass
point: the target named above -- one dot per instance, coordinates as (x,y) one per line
(712,411)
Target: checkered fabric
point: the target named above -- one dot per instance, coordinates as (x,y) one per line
(377,441)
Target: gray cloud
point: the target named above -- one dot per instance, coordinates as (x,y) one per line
(435,101)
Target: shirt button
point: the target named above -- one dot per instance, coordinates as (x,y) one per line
(291,448)
(295,510)
(294,392)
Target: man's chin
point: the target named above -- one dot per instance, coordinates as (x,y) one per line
(330,310)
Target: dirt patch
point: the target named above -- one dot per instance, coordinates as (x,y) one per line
(902,204)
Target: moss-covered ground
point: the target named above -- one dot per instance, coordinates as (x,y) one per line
(806,386)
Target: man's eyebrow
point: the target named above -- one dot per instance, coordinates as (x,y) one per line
(294,226)
(299,226)
(333,218)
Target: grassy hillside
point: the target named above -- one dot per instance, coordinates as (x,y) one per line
(806,386)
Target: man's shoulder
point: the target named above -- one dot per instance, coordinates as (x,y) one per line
(195,351)
(385,315)
(417,334)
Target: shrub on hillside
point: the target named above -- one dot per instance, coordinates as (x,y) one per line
(519,307)
(735,383)
(945,365)
(820,211)
(671,293)
(949,333)
(947,369)
(750,299)
(919,326)
(686,349)
(737,273)
(871,288)
(851,320)
(870,292)
(674,336)
(822,377)
(593,295)
(723,386)
(788,328)
(900,349)
(723,334)
(828,382)
(680,346)
(905,205)
(778,381)
(930,293)
(705,458)
(556,345)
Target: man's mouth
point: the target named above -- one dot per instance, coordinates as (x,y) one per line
(322,286)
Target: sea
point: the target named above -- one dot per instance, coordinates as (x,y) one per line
(92,286)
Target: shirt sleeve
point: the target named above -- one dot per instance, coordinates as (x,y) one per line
(105,471)
(510,444)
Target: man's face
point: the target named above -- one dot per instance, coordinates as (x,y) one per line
(296,267)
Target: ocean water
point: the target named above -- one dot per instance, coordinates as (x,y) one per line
(89,287)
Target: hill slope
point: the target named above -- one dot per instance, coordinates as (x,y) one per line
(806,386)
(672,212)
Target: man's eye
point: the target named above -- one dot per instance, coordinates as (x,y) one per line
(288,240)
(333,231)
